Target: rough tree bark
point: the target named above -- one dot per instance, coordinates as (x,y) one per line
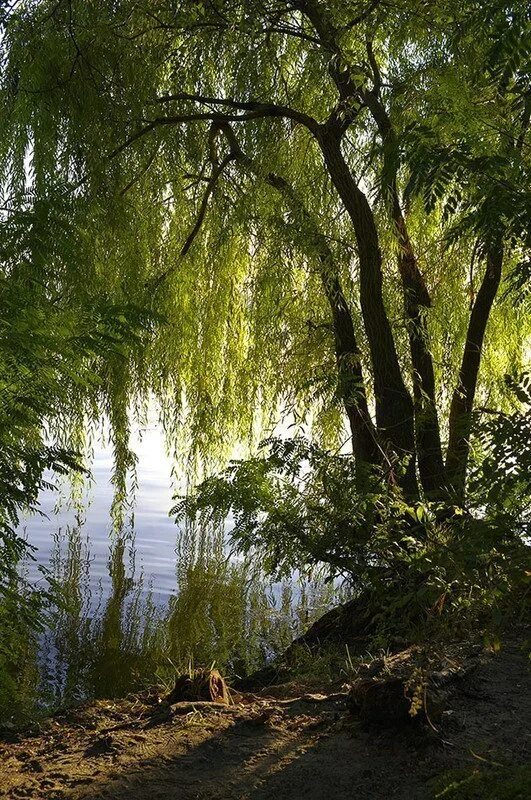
(463,398)
(394,406)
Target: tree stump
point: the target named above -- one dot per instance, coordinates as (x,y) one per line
(381,701)
(414,683)
(206,685)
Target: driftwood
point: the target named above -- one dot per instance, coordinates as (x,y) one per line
(314,697)
(190,706)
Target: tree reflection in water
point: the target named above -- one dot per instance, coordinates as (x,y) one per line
(110,636)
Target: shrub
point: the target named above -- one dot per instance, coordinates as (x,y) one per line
(426,567)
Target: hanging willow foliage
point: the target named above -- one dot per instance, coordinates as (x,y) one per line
(314,204)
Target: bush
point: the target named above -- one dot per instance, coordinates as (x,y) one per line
(427,569)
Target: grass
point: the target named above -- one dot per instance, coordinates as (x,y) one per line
(504,783)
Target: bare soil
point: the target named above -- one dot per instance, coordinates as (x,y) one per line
(280,743)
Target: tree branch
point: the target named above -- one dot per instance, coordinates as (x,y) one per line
(286,30)
(216,174)
(359,18)
(141,173)
(255,106)
(218,169)
(253,109)
(181,118)
(377,77)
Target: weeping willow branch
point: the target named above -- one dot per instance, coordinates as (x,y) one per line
(257,111)
(348,356)
(214,178)
(363,15)
(141,172)
(269,109)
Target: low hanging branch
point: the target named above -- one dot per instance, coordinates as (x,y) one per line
(218,168)
(351,379)
(213,180)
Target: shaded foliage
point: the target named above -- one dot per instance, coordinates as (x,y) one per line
(425,569)
(501,480)
(256,211)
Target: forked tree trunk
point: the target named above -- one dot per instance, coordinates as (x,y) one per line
(460,421)
(416,301)
(394,406)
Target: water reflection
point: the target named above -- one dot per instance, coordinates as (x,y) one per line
(136,607)
(110,637)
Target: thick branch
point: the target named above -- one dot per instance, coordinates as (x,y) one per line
(288,30)
(376,74)
(255,110)
(261,109)
(328,37)
(182,118)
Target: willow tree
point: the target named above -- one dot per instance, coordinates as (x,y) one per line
(309,193)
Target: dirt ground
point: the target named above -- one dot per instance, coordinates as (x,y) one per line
(281,746)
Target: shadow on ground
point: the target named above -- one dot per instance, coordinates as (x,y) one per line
(269,749)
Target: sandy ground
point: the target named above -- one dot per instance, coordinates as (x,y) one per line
(267,747)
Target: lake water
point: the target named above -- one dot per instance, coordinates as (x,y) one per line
(155,533)
(136,607)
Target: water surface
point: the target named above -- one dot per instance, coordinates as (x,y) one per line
(138,606)
(155,533)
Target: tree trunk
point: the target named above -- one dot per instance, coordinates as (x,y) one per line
(350,374)
(394,407)
(463,398)
(416,300)
(351,383)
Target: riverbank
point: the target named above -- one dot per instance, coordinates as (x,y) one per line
(281,742)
